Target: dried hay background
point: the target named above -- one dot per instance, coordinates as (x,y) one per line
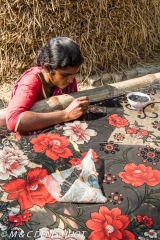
(112,34)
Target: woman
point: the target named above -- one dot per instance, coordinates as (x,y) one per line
(57,64)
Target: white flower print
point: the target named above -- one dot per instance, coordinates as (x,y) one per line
(150,139)
(138,136)
(78,132)
(12,163)
(151,233)
(14,211)
(3,227)
(142,238)
(133,126)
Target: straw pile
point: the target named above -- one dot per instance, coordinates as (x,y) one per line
(112,34)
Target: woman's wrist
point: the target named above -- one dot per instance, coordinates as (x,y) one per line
(65,115)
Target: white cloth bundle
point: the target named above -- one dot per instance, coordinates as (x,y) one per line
(76,184)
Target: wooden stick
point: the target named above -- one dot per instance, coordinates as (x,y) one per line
(111,90)
(95,94)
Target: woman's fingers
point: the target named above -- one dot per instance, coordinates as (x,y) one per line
(83,101)
(77,108)
(84,107)
(82,98)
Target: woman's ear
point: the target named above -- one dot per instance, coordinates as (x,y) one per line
(47,67)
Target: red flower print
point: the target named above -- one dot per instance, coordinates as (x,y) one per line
(109,225)
(142,132)
(26,216)
(109,147)
(156,125)
(138,175)
(145,220)
(119,136)
(149,154)
(115,197)
(131,131)
(54,145)
(109,178)
(17,220)
(117,121)
(31,191)
(94,155)
(75,161)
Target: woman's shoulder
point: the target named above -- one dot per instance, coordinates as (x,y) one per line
(31,76)
(33,70)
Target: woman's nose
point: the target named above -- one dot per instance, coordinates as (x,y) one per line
(70,79)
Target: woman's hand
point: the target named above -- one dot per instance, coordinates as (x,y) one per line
(77,108)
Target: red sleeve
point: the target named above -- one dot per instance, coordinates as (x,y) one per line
(27,93)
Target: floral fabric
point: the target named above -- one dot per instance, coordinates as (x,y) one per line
(125,147)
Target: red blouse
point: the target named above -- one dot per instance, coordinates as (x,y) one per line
(29,89)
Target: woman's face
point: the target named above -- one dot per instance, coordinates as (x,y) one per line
(63,77)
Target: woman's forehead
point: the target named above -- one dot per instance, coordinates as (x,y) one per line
(68,70)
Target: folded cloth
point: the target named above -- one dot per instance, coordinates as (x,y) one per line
(76,184)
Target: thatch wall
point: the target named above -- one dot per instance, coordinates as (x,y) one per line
(112,34)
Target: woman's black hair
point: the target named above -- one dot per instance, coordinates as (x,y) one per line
(60,52)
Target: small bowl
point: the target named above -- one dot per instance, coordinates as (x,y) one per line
(137,103)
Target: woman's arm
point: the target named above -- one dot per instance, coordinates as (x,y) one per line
(27,93)
(31,121)
(20,118)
